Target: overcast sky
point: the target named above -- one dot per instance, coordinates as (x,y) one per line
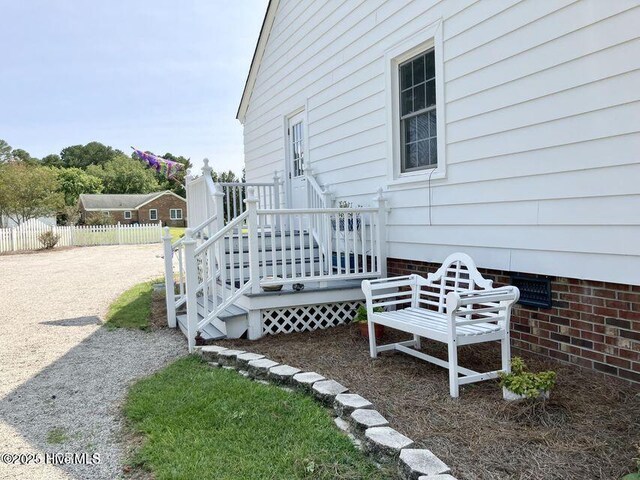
(163,75)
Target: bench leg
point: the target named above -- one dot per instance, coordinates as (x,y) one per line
(373,351)
(416,340)
(505,347)
(454,390)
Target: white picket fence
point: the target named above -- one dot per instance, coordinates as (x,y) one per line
(26,238)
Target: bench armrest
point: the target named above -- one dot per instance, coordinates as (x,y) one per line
(504,296)
(386,291)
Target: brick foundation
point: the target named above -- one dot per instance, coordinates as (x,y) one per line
(592,324)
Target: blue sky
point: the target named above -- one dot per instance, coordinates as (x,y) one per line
(162,75)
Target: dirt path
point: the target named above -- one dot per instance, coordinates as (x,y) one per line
(62,376)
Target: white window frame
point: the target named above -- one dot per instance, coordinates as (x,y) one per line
(172,210)
(426,39)
(155,213)
(127,215)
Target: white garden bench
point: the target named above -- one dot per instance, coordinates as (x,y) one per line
(455,305)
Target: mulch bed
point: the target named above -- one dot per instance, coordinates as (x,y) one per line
(586,431)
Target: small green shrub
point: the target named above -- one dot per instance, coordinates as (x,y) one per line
(634,476)
(522,382)
(99,218)
(361,314)
(48,239)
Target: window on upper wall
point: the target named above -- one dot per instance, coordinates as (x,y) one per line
(127,215)
(175,214)
(417,102)
(153,214)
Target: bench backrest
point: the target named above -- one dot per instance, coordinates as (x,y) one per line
(457,273)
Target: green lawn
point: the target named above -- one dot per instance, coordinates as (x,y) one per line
(204,422)
(132,309)
(176,233)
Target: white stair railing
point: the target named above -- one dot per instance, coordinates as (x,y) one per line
(244,241)
(222,273)
(235,193)
(318,198)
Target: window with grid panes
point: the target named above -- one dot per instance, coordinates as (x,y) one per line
(418,113)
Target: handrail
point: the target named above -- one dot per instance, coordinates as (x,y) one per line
(221,233)
(204,224)
(316,188)
(316,210)
(245,184)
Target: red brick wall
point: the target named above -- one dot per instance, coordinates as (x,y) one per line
(592,324)
(115,215)
(163,204)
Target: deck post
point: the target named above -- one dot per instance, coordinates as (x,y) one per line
(218,206)
(187,189)
(381,249)
(255,324)
(191,271)
(216,253)
(209,204)
(252,225)
(276,191)
(170,296)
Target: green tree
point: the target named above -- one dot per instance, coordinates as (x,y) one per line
(226,177)
(75,181)
(23,156)
(125,175)
(52,160)
(28,191)
(93,153)
(5,151)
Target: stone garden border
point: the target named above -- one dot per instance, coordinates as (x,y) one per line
(355,415)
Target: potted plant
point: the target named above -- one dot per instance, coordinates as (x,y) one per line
(636,475)
(352,222)
(363,322)
(521,384)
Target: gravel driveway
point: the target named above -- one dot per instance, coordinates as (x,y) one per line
(62,376)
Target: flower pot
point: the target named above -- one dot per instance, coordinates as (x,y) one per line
(510,396)
(364,330)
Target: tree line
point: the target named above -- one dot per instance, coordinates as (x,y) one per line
(36,187)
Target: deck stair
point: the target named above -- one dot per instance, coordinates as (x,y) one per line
(243,241)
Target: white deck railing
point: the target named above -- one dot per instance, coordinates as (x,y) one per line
(345,245)
(248,242)
(235,194)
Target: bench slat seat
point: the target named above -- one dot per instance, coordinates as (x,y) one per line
(469,311)
(432,323)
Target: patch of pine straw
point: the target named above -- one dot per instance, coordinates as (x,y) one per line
(586,431)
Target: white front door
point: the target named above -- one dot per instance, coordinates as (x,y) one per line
(296,158)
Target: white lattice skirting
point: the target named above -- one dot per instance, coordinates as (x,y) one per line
(308,317)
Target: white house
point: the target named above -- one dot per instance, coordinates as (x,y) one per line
(506,129)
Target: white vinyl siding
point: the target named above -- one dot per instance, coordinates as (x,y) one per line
(542,122)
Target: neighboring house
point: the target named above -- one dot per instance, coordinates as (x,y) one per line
(165,207)
(6,222)
(509,130)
